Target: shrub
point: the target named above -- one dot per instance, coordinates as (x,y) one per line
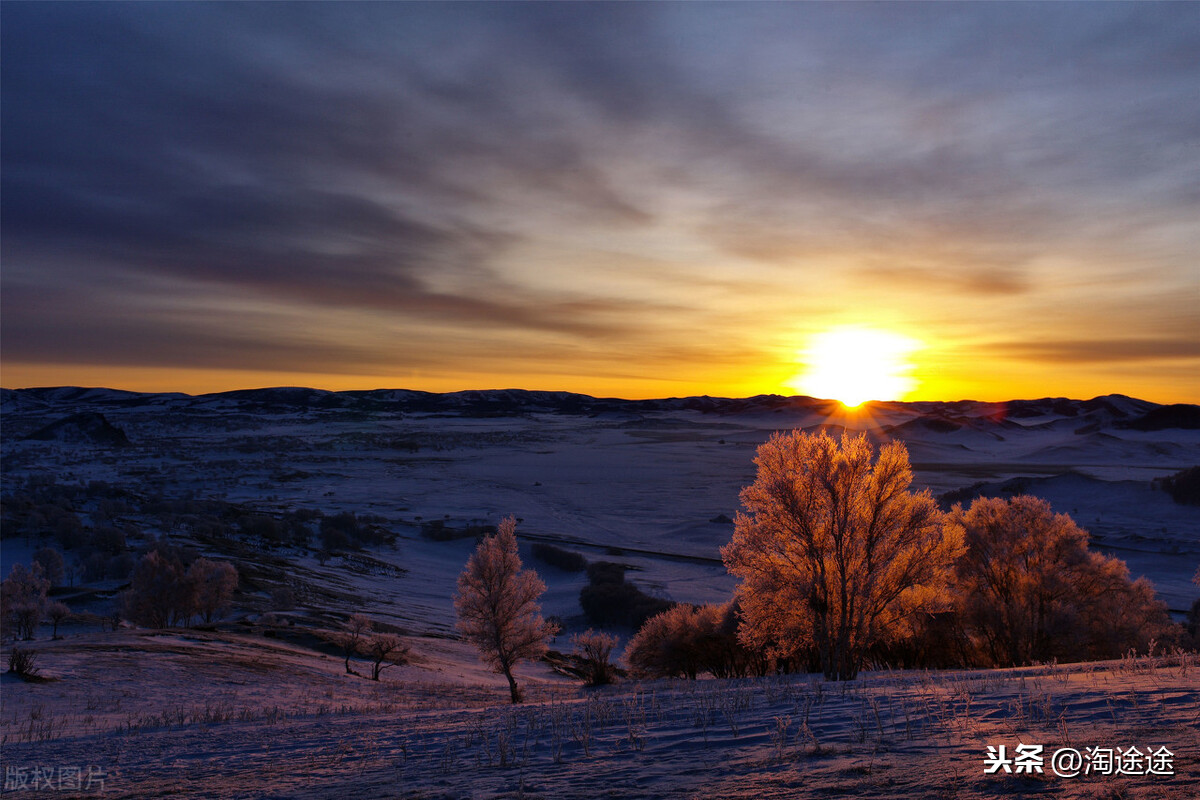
(23,662)
(345,531)
(283,599)
(667,646)
(70,532)
(688,640)
(606,572)
(594,651)
(334,540)
(1192,625)
(263,527)
(109,540)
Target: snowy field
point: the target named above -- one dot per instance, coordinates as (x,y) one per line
(254,708)
(210,715)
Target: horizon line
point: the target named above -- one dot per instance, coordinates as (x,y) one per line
(582,394)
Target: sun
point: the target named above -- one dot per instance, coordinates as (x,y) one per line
(854,365)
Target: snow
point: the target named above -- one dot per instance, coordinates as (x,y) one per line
(275,721)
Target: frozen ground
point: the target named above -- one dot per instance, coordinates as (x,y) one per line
(223,715)
(265,713)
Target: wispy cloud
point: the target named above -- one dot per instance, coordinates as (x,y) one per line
(1102,351)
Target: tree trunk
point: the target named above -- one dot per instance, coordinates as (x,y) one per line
(839,662)
(515,690)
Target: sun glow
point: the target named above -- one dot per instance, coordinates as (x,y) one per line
(854,365)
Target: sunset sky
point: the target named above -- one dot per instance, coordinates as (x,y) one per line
(639,200)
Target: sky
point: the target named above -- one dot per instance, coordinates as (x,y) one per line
(634,200)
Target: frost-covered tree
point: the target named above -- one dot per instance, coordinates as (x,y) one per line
(497,605)
(56,612)
(213,584)
(23,600)
(159,593)
(835,553)
(688,640)
(163,592)
(52,565)
(1031,590)
(668,644)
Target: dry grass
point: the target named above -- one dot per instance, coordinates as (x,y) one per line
(296,726)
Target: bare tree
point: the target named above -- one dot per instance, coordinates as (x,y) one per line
(835,553)
(497,605)
(385,650)
(350,638)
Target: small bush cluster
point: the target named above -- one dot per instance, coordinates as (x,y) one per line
(345,531)
(42,510)
(688,640)
(273,531)
(438,531)
(566,560)
(609,599)
(1183,486)
(23,663)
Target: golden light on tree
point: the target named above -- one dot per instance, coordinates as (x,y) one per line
(854,365)
(834,553)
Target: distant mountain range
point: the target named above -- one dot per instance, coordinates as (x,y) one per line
(1086,416)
